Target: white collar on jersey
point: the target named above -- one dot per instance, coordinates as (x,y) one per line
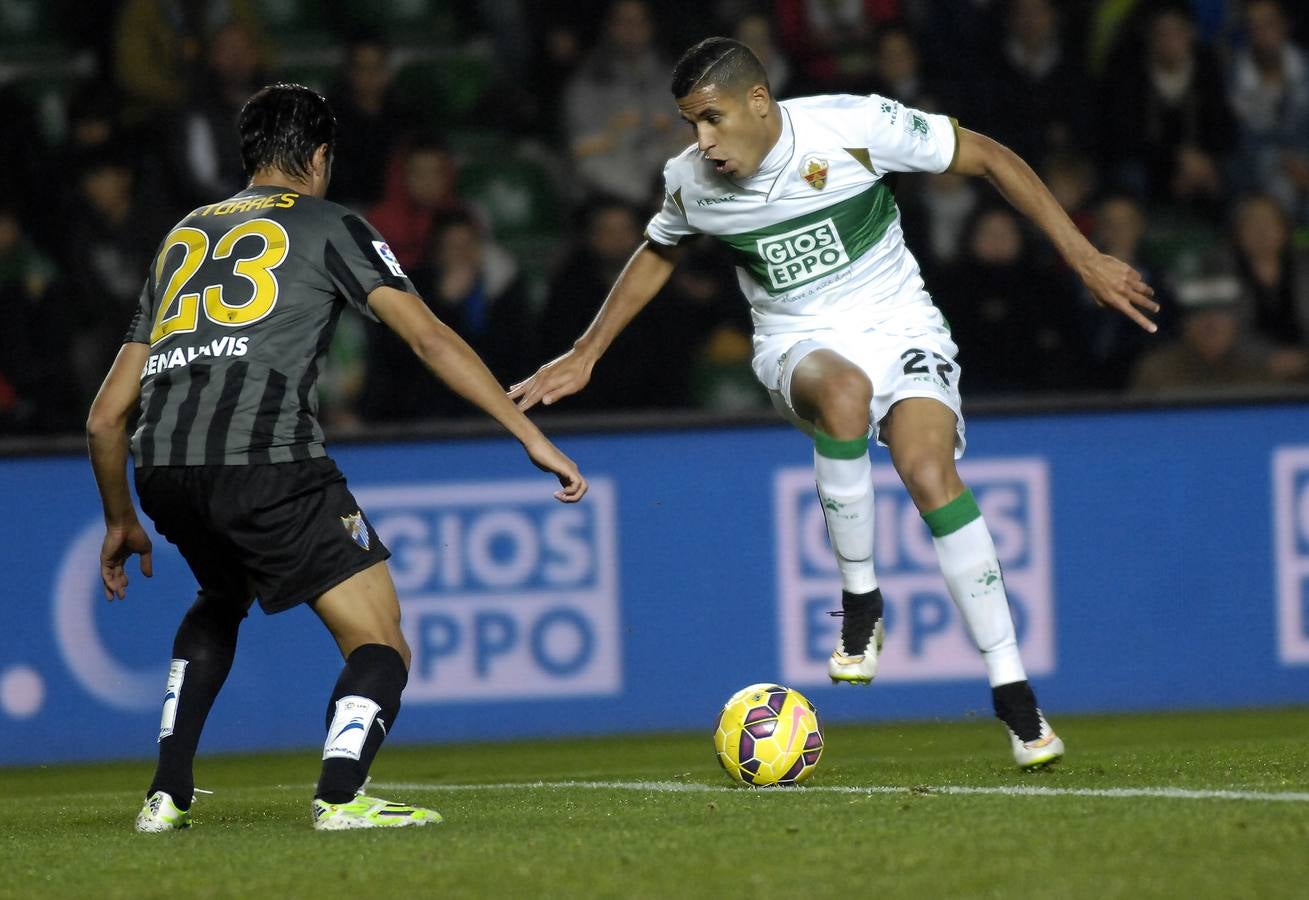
(774,162)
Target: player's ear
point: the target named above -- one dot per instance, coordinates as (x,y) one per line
(759,100)
(322,159)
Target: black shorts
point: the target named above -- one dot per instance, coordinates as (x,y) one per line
(286,531)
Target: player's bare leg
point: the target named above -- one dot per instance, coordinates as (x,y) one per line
(364,609)
(921,435)
(203,649)
(363,614)
(834,394)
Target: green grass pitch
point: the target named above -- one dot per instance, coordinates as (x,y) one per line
(924,810)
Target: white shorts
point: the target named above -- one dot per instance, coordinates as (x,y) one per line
(912,355)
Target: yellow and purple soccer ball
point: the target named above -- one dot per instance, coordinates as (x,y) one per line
(768,734)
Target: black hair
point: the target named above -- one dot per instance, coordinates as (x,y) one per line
(281,126)
(720,61)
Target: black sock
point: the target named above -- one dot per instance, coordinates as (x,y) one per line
(869,604)
(202,656)
(371,683)
(1015,705)
(860,614)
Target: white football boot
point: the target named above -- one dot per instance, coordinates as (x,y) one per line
(1043,751)
(855,658)
(160,813)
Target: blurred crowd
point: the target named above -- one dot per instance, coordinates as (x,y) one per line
(511,152)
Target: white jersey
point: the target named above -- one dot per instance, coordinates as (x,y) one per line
(815,232)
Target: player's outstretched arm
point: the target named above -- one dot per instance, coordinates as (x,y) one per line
(642,277)
(458,365)
(106,438)
(1112,282)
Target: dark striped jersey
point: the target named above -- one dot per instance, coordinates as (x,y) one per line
(239,309)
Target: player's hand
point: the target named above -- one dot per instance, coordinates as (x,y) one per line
(549,458)
(119,545)
(1116,285)
(553,381)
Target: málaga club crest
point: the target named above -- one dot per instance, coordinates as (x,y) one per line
(814,171)
(356,528)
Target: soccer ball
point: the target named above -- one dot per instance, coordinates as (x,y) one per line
(768,734)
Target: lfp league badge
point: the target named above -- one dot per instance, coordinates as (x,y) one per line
(357,528)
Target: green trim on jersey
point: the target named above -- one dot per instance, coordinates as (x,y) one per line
(790,254)
(953,516)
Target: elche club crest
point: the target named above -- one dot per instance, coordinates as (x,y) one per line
(814,171)
(356,527)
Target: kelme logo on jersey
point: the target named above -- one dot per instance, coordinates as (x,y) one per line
(800,256)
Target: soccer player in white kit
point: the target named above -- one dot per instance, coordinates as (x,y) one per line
(847,340)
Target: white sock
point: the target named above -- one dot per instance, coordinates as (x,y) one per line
(845,488)
(972,573)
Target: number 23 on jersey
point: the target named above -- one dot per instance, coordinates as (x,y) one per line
(179,313)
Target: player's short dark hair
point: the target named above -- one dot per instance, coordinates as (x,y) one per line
(281,126)
(720,61)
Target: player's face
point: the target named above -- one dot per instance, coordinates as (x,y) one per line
(732,128)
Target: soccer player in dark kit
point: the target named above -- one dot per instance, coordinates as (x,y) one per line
(222,357)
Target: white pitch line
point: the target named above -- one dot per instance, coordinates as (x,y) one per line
(683,787)
(690,787)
